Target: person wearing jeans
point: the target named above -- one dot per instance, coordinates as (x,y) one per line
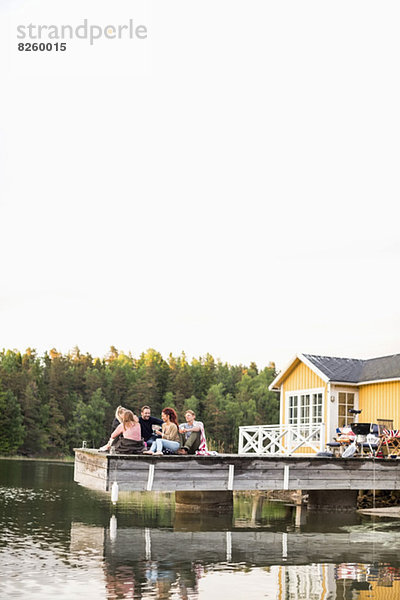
(148,424)
(159,445)
(168,436)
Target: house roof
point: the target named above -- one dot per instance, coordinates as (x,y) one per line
(338,369)
(347,370)
(355,370)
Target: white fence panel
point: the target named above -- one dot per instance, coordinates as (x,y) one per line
(284,440)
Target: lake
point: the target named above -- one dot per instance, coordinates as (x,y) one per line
(59,540)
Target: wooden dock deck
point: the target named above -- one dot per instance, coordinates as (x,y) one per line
(233,472)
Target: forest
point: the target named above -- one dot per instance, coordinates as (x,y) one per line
(50,403)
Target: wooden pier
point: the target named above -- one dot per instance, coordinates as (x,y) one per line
(232,472)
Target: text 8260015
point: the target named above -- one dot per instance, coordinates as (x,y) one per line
(42,47)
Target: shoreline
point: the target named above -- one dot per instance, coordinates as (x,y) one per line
(65,459)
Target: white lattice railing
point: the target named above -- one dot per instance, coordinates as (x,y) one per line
(273,440)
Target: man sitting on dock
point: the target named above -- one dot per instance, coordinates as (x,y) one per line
(146,423)
(192,434)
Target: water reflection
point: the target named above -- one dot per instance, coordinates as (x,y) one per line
(154,563)
(60,540)
(169,563)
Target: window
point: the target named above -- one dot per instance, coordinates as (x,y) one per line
(305,410)
(346,401)
(293,409)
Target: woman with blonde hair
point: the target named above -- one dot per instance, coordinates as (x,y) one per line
(168,436)
(131,441)
(119,414)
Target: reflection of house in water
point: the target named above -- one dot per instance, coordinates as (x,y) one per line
(134,562)
(375,581)
(346,581)
(306,582)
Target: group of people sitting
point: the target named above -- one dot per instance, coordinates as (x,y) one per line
(149,435)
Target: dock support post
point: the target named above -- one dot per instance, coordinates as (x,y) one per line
(197,502)
(332,500)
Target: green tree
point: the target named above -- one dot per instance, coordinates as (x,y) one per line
(193,404)
(152,380)
(11,424)
(169,400)
(180,380)
(245,399)
(54,429)
(215,416)
(204,375)
(89,420)
(267,402)
(60,384)
(35,440)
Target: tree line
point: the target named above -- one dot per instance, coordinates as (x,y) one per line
(50,403)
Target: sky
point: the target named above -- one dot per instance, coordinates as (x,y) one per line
(228,185)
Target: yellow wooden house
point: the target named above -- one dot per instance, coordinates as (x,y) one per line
(316,393)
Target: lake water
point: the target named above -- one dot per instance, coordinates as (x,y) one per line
(61,541)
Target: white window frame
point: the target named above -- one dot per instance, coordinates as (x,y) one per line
(349,390)
(307,392)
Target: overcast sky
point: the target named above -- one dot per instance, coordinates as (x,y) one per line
(228,185)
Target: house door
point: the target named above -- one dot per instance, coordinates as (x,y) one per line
(346,401)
